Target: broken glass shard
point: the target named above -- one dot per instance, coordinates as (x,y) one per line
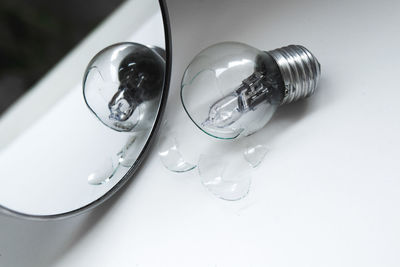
(103,174)
(254,155)
(171,157)
(222,179)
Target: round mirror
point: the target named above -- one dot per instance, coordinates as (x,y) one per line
(77,136)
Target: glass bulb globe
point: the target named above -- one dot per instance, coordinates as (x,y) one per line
(232,89)
(120,84)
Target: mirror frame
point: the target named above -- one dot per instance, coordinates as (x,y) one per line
(143,154)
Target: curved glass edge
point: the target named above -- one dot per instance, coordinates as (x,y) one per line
(201,128)
(135,167)
(239,131)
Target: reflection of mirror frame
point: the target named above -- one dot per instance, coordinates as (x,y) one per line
(143,153)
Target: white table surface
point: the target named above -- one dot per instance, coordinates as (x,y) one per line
(326,195)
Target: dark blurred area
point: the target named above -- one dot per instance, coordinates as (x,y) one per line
(35,35)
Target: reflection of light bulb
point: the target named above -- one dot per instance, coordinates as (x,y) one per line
(232,89)
(119,83)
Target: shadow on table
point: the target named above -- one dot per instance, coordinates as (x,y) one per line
(43,243)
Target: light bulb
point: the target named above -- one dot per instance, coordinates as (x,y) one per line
(121,83)
(231,89)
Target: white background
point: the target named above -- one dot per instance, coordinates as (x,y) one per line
(326,195)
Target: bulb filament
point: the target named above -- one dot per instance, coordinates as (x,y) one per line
(227,110)
(124,101)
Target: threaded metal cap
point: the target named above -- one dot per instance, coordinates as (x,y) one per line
(300,71)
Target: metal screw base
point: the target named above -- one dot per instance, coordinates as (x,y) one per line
(300,71)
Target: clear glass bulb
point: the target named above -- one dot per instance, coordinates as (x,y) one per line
(231,89)
(121,82)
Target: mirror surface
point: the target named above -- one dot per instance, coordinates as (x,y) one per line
(56,157)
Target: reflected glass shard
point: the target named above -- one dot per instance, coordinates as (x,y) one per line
(127,155)
(254,155)
(213,172)
(103,174)
(171,157)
